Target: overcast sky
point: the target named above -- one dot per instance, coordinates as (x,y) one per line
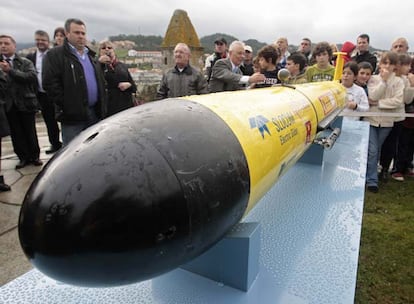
(265,20)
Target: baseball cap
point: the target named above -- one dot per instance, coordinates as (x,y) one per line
(248,48)
(220,40)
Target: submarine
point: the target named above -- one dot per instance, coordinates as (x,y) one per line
(151,188)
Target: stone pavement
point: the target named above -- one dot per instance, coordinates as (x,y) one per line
(13,262)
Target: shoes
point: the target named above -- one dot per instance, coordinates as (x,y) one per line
(36,162)
(53,149)
(373,189)
(398,176)
(21,164)
(24,163)
(3,186)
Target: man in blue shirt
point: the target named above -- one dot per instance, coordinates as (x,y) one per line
(73,79)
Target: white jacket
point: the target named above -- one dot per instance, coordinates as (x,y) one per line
(390,99)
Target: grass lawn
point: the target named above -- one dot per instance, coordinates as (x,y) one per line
(386,258)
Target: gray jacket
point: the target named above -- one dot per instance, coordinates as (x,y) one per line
(176,84)
(223,78)
(21,86)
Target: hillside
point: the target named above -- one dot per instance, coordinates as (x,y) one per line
(147,43)
(153,43)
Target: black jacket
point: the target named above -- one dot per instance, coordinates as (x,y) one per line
(64,82)
(118,100)
(367,56)
(21,84)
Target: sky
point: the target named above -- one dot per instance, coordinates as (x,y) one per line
(265,20)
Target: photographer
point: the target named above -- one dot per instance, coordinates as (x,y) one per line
(119,81)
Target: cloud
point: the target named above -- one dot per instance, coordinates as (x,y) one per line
(319,20)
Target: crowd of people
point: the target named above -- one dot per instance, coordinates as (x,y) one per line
(77,87)
(385,87)
(68,82)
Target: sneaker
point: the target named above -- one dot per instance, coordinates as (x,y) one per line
(373,189)
(398,176)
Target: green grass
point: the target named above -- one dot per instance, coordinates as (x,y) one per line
(386,258)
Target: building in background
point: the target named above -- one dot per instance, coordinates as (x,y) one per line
(181,29)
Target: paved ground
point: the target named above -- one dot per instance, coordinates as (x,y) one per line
(13,262)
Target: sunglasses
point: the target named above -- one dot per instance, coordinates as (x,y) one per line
(219,43)
(106,47)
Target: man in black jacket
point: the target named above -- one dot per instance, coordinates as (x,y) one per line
(74,81)
(21,102)
(363,53)
(47,106)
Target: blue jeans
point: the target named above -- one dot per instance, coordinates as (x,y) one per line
(377,137)
(70,131)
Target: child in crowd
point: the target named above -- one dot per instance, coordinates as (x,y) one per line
(385,94)
(389,147)
(404,128)
(296,64)
(357,99)
(322,70)
(268,56)
(365,70)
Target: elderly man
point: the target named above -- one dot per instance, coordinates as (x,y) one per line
(227,76)
(400,45)
(183,79)
(21,102)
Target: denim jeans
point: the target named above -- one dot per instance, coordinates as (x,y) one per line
(377,136)
(70,131)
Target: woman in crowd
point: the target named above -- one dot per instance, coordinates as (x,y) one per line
(58,36)
(120,84)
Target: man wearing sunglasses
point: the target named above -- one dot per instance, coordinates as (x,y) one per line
(74,81)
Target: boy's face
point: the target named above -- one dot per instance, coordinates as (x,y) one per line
(348,78)
(292,67)
(363,76)
(322,59)
(264,65)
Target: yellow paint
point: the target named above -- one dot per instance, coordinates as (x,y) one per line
(289,118)
(339,65)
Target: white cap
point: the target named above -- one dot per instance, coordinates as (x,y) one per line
(248,48)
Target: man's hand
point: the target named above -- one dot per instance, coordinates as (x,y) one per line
(5,66)
(124,86)
(257,77)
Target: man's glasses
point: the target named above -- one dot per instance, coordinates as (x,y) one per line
(106,47)
(398,46)
(219,43)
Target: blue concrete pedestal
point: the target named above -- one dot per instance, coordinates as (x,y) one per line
(234,261)
(310,226)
